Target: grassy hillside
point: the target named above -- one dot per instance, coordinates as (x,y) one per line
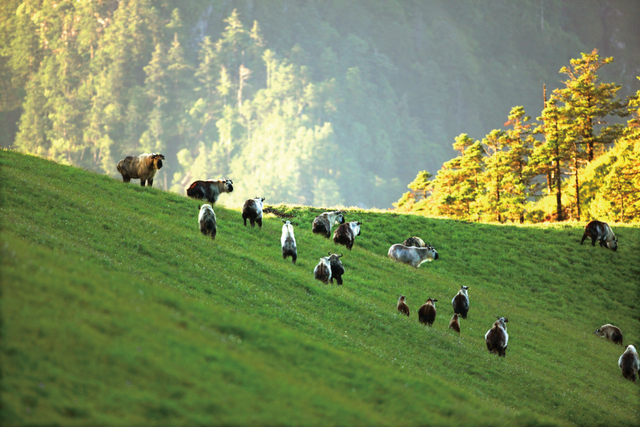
(116,310)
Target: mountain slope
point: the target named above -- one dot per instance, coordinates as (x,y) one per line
(117,310)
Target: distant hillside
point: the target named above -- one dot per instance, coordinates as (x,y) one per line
(313,102)
(116,310)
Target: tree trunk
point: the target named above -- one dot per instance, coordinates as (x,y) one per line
(558,189)
(577,189)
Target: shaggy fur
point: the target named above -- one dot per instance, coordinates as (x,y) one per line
(337,269)
(252,210)
(414,241)
(610,332)
(207,221)
(143,167)
(322,223)
(209,190)
(497,338)
(454,323)
(427,313)
(346,234)
(288,242)
(402,306)
(629,363)
(600,231)
(412,255)
(322,271)
(461,302)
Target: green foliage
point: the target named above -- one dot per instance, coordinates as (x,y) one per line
(123,313)
(505,183)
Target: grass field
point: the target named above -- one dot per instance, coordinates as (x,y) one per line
(116,310)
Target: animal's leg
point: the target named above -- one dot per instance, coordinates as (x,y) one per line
(142,182)
(339,279)
(593,241)
(126,178)
(259,221)
(150,182)
(294,257)
(253,222)
(584,237)
(245,220)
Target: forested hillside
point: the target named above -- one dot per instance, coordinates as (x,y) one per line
(310,102)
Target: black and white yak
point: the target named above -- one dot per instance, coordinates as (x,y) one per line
(209,190)
(610,332)
(322,223)
(412,255)
(288,242)
(629,363)
(600,231)
(143,167)
(329,268)
(252,210)
(497,338)
(427,313)
(461,302)
(207,221)
(346,234)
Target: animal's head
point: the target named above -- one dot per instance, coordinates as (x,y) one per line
(339,218)
(334,258)
(206,207)
(613,245)
(401,299)
(355,226)
(259,201)
(228,185)
(599,332)
(157,160)
(432,301)
(455,316)
(502,321)
(631,349)
(432,251)
(464,289)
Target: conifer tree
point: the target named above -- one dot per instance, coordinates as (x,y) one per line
(555,151)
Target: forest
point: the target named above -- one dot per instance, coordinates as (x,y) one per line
(328,103)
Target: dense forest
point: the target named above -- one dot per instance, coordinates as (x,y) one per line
(310,102)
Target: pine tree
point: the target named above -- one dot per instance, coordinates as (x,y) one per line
(555,151)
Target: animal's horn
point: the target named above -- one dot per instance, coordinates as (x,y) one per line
(340,255)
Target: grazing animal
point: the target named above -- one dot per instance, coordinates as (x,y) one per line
(252,210)
(402,306)
(346,234)
(288,242)
(207,221)
(454,323)
(209,190)
(414,241)
(629,363)
(322,223)
(412,255)
(497,338)
(322,271)
(598,230)
(427,313)
(610,332)
(143,167)
(461,302)
(337,269)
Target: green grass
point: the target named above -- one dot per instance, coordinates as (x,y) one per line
(116,310)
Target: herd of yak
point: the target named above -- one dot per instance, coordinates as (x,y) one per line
(412,251)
